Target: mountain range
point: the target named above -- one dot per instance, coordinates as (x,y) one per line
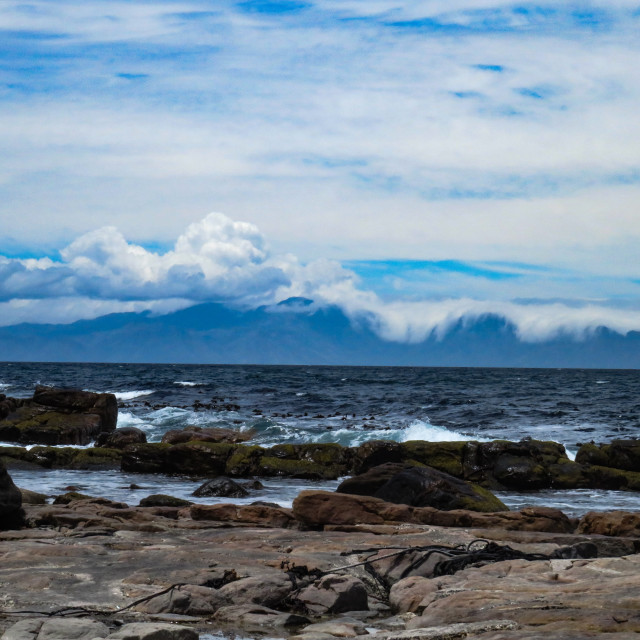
(297,332)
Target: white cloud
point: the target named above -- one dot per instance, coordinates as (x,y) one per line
(218,259)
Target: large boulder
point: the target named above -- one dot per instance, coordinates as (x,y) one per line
(268,590)
(11,514)
(422,487)
(59,416)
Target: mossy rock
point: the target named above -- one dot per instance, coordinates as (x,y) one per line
(54,457)
(303,469)
(608,478)
(444,456)
(71,496)
(567,475)
(97,458)
(50,427)
(145,458)
(199,458)
(245,461)
(483,501)
(321,453)
(591,453)
(17,458)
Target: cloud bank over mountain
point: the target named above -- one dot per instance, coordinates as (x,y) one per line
(225,261)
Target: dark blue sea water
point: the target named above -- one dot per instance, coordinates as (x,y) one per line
(352,404)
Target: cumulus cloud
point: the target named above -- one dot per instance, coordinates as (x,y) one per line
(222,260)
(215,259)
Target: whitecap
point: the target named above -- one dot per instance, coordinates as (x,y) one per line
(4,385)
(301,393)
(421,430)
(129,395)
(187,383)
(602,381)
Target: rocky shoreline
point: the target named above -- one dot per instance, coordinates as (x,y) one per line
(411,546)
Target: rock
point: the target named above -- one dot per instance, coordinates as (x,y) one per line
(255,514)
(121,438)
(59,416)
(11,513)
(426,487)
(257,618)
(73,458)
(340,628)
(316,509)
(153,631)
(268,590)
(33,497)
(407,594)
(145,458)
(376,452)
(229,436)
(71,496)
(452,631)
(334,593)
(611,523)
(191,600)
(373,479)
(619,454)
(56,629)
(221,487)
(162,500)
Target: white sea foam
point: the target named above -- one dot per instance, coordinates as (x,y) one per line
(187,383)
(301,393)
(421,430)
(129,395)
(602,381)
(4,385)
(127,419)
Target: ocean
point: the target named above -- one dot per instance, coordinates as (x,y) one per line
(348,405)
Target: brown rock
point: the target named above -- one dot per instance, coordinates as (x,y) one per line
(334,593)
(256,514)
(268,590)
(611,523)
(121,438)
(191,600)
(230,436)
(407,594)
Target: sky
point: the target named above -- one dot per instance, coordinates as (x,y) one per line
(415,163)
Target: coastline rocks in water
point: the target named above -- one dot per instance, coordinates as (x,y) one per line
(58,416)
(11,513)
(121,438)
(229,436)
(619,454)
(221,487)
(334,593)
(33,497)
(422,487)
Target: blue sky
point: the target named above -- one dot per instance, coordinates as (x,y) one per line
(419,153)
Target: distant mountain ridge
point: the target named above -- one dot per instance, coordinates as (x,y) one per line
(294,332)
